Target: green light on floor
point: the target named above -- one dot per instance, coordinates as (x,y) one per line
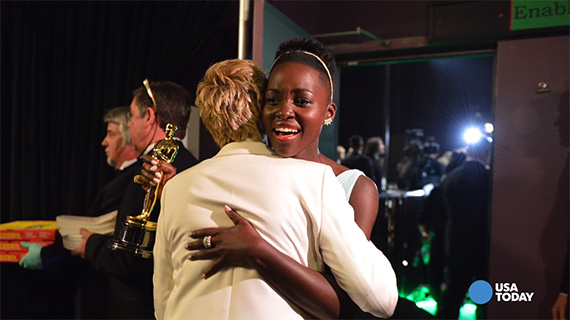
(429,305)
(467,311)
(424,301)
(421,297)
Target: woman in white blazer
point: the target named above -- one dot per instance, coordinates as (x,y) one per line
(296,206)
(295,110)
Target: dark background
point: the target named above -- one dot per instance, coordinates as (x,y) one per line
(434,96)
(65,63)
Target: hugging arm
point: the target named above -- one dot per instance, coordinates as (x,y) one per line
(242,246)
(316,293)
(360,269)
(364,201)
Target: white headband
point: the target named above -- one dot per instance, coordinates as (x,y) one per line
(318,59)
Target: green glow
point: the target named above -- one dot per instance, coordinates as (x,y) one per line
(424,301)
(467,311)
(429,305)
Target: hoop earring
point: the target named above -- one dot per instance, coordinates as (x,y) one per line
(328,122)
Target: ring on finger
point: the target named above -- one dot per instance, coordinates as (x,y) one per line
(207,241)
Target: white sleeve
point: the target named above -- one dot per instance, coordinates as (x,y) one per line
(360,269)
(163,281)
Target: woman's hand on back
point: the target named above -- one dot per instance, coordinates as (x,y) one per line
(235,246)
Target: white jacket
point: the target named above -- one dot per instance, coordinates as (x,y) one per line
(298,206)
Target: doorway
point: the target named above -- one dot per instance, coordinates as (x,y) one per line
(435,99)
(442,97)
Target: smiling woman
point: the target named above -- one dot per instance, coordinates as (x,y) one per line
(296,107)
(298,103)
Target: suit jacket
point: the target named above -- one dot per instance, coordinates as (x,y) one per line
(361,162)
(466,192)
(130,277)
(78,274)
(108,199)
(297,206)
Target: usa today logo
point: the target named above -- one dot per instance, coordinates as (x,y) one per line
(481,292)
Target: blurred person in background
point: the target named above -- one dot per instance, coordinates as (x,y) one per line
(80,276)
(375,150)
(466,196)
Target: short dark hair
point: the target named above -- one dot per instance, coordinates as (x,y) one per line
(173,104)
(291,51)
(355,141)
(372,146)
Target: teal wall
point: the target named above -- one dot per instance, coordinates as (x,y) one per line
(276,29)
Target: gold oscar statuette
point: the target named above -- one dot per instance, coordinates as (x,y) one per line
(138,233)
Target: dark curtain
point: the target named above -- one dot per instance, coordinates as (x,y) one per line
(62,65)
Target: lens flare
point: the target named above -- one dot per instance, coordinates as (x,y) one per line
(472,135)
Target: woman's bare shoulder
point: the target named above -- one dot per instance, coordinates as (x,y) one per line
(337,167)
(365,185)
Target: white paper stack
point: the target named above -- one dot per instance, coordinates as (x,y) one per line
(69,227)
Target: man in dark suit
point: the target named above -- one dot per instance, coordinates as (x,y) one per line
(56,260)
(356,160)
(375,149)
(130,277)
(466,192)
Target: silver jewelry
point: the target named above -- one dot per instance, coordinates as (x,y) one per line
(328,121)
(207,241)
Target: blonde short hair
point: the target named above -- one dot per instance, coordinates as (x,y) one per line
(230,97)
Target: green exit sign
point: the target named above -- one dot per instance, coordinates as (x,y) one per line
(536,14)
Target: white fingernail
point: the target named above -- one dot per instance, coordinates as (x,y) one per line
(227,207)
(155,162)
(153,168)
(155,180)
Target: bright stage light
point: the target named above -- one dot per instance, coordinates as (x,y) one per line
(469,307)
(472,135)
(427,304)
(489,128)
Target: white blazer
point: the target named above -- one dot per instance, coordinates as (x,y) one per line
(298,206)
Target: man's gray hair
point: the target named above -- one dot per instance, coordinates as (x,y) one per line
(120,116)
